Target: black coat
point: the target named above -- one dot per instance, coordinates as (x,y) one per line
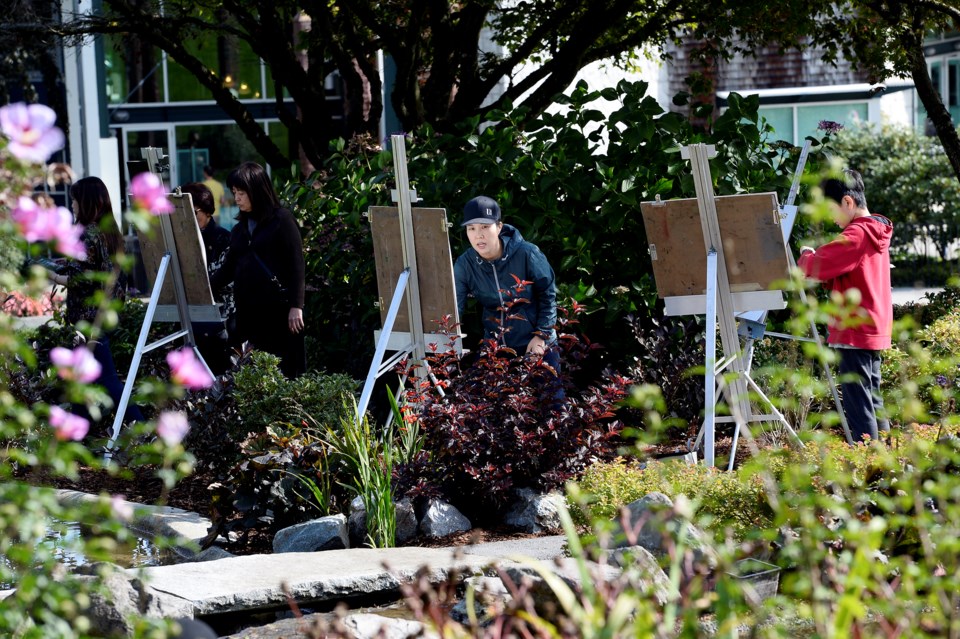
(263,306)
(276,241)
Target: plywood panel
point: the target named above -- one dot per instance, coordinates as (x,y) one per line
(189,249)
(753,245)
(434,264)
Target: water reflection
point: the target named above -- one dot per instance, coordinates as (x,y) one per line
(135,552)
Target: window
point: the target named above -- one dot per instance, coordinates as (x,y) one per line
(945,76)
(795,122)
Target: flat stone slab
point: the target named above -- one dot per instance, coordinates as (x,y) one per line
(255,581)
(543,548)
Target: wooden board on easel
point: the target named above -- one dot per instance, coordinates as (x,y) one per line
(184,233)
(753,245)
(438,294)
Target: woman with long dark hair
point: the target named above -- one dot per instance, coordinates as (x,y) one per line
(83,279)
(265,263)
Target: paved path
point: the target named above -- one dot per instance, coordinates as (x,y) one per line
(905,295)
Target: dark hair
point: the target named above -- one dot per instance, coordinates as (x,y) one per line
(252,179)
(202,197)
(851,184)
(94,208)
(208,169)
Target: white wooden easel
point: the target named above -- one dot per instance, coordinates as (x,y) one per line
(722,306)
(415,341)
(181,312)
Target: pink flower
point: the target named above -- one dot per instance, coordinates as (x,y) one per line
(186,370)
(39,224)
(121,508)
(30,128)
(172,427)
(149,193)
(68,425)
(78,365)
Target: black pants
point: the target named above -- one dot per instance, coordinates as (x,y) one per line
(268,330)
(860,383)
(213,345)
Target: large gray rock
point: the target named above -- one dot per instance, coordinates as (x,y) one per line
(490,597)
(534,512)
(256,582)
(371,626)
(212,554)
(441,520)
(122,598)
(406,520)
(567,569)
(643,569)
(652,525)
(326,533)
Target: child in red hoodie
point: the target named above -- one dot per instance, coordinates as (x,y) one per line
(858,259)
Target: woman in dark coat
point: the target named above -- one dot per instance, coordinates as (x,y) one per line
(265,263)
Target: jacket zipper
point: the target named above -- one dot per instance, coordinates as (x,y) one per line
(496,281)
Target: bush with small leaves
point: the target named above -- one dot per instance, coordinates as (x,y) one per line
(500,424)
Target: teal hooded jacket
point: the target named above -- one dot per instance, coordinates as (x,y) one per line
(495,284)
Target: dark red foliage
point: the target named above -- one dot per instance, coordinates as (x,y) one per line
(501,425)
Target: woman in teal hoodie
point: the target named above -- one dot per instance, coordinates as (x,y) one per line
(511,279)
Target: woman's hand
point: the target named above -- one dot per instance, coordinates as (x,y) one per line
(536,346)
(295,320)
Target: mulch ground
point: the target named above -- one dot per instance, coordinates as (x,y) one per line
(141,485)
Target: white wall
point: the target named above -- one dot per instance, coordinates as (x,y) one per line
(90,155)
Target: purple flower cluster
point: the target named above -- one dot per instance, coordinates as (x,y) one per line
(829,127)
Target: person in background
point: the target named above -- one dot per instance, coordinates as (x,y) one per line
(859,259)
(265,264)
(83,279)
(488,272)
(216,190)
(212,337)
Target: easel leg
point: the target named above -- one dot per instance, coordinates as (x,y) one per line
(709,388)
(373,373)
(137,356)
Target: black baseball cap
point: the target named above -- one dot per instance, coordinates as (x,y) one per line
(481,210)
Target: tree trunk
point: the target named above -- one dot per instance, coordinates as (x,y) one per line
(936,110)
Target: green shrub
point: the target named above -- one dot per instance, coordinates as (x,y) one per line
(933,307)
(267,440)
(738,501)
(730,500)
(942,336)
(264,396)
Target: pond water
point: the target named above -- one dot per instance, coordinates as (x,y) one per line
(64,539)
(139,552)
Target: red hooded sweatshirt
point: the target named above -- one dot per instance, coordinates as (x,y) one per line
(858,259)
